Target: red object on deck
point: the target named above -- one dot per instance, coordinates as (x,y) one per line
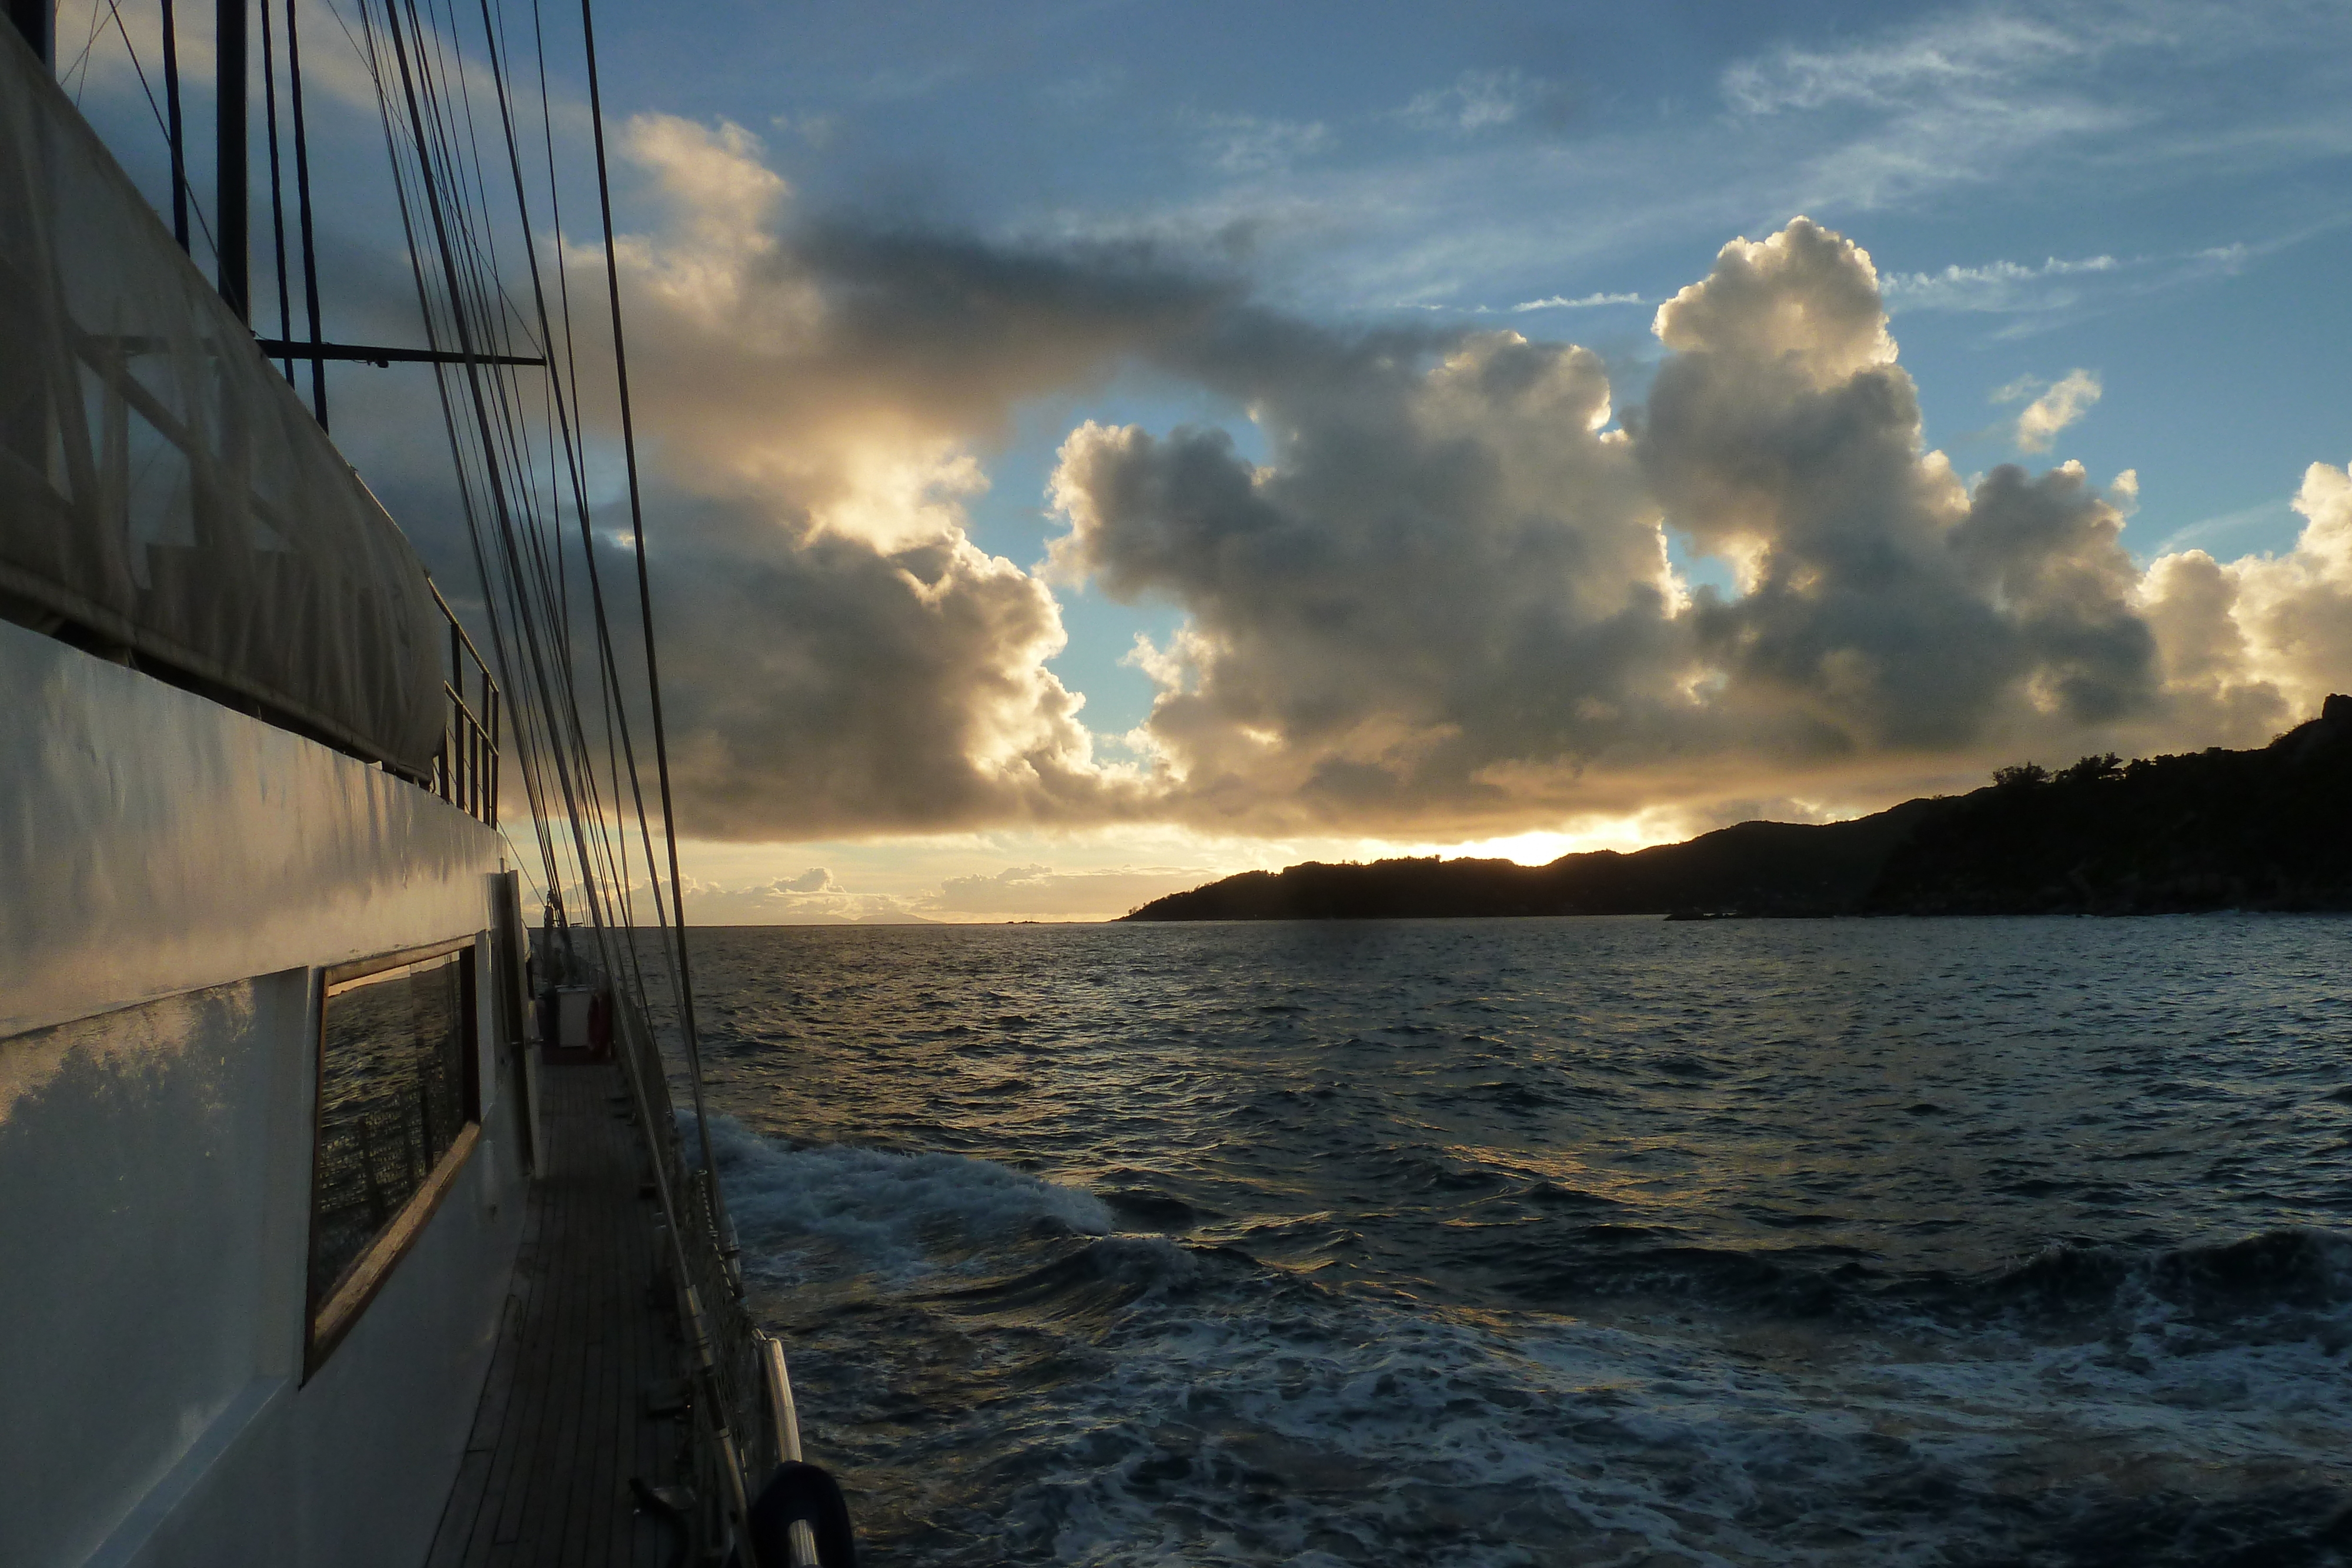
(583,1026)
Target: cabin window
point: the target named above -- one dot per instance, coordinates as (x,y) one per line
(398,1114)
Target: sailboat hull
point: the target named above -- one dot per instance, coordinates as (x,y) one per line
(181,883)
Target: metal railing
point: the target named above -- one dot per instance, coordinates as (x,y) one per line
(465,769)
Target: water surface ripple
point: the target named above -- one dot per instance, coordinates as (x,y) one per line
(1557,1241)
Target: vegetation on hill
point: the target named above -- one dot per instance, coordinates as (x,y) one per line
(2251,829)
(2214,830)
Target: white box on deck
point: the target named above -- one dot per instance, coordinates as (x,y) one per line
(572,1010)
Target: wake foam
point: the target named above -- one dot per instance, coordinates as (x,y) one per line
(832,1209)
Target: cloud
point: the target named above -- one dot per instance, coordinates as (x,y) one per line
(1977,55)
(1040,891)
(1485,100)
(903,84)
(2059,404)
(2122,492)
(1440,605)
(1443,599)
(1018,892)
(1919,107)
(1445,564)
(839,656)
(2259,642)
(1248,144)
(810,898)
(1560,302)
(2003,287)
(1885,606)
(767,905)
(816,130)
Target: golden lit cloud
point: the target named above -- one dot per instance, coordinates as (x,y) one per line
(1437,611)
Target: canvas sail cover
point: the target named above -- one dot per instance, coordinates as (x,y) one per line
(162,485)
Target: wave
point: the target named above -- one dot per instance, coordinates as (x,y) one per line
(1063,1386)
(2292,1268)
(838,1209)
(2291,1281)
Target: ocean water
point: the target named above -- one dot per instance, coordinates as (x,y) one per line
(1557,1241)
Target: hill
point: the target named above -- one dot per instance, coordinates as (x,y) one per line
(2213,830)
(2268,829)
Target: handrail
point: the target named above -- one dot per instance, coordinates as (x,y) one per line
(465,769)
(785,1418)
(456,625)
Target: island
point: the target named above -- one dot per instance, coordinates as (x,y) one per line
(2268,829)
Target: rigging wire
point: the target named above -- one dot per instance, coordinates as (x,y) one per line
(513,514)
(609,674)
(478,272)
(172,98)
(303,203)
(645,613)
(81,61)
(277,183)
(179,170)
(453,233)
(465,298)
(524,713)
(553,588)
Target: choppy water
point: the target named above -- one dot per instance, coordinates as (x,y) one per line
(1558,1241)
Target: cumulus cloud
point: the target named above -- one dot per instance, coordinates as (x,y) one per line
(839,655)
(2257,643)
(2059,404)
(1885,605)
(1445,576)
(1441,603)
(1444,598)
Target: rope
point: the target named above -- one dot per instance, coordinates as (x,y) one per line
(170,126)
(277,182)
(608,671)
(302,202)
(541,627)
(645,613)
(172,98)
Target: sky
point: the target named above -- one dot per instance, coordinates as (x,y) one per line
(1095,447)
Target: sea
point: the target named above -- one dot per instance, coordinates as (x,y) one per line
(1575,1242)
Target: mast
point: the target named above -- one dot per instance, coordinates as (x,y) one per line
(234,198)
(37,19)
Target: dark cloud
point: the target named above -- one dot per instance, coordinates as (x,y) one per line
(1443,570)
(818,685)
(1883,606)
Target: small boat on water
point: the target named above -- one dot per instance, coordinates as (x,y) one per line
(344,1217)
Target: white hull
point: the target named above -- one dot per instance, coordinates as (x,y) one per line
(177,878)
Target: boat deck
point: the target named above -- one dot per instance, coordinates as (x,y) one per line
(563,1428)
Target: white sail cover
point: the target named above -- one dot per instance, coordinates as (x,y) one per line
(160,485)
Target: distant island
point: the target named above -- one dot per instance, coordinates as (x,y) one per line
(2263,830)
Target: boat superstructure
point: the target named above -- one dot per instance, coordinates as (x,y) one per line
(275,1119)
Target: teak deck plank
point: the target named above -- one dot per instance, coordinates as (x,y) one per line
(561,1429)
